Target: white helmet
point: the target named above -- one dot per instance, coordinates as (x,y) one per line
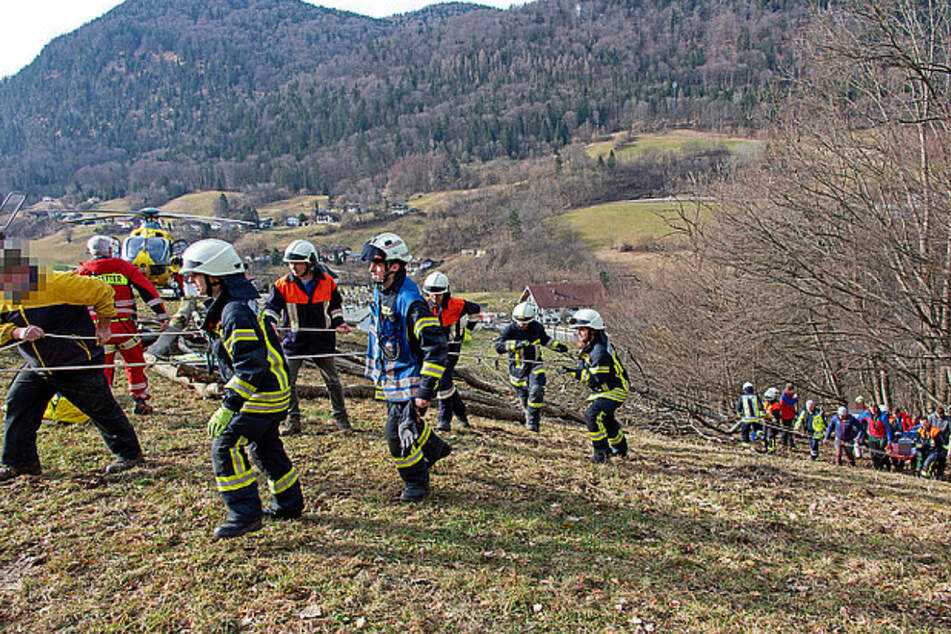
(301,251)
(747,387)
(810,404)
(101,246)
(524,312)
(436,283)
(386,247)
(586,318)
(211,257)
(883,409)
(771,394)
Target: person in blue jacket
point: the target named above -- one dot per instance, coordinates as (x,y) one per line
(846,430)
(407,354)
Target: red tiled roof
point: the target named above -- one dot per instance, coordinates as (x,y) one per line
(566,294)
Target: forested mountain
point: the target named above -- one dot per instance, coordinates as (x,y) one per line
(159,97)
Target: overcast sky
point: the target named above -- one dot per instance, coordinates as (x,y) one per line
(28,25)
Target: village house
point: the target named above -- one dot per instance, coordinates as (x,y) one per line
(558,301)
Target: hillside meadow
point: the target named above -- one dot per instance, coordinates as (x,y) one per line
(521,534)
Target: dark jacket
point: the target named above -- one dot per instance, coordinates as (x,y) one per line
(600,369)
(290,305)
(247,349)
(845,430)
(521,345)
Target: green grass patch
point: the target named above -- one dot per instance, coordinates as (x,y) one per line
(627,148)
(618,223)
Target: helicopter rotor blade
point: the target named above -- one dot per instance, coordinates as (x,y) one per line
(204,218)
(11,205)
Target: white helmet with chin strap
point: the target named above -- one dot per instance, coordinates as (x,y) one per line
(436,283)
(301,251)
(586,318)
(211,257)
(524,312)
(386,247)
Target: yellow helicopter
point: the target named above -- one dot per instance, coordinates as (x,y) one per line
(150,245)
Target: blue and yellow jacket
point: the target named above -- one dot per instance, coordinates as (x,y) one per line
(407,350)
(600,369)
(57,303)
(247,349)
(523,359)
(811,422)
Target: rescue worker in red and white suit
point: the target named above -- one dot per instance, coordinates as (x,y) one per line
(123,277)
(454,315)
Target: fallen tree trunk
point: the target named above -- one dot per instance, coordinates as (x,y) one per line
(203,383)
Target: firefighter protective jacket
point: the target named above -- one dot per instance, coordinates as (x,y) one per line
(58,306)
(123,277)
(450,313)
(811,422)
(600,369)
(247,349)
(407,351)
(750,408)
(521,345)
(294,308)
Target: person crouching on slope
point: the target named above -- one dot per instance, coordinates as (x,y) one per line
(35,304)
(407,354)
(600,369)
(123,277)
(247,349)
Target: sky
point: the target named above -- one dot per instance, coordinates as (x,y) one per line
(29,25)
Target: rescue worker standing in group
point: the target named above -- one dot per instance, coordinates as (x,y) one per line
(407,354)
(811,422)
(772,420)
(600,369)
(123,277)
(520,340)
(455,316)
(47,314)
(750,409)
(309,308)
(248,353)
(846,430)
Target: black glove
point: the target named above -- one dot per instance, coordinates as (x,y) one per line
(563,369)
(560,347)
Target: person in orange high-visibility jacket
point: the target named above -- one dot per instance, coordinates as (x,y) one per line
(454,315)
(123,277)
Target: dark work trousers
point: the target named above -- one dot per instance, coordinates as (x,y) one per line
(413,465)
(788,440)
(531,394)
(88,390)
(814,448)
(237,481)
(843,448)
(772,429)
(328,372)
(748,430)
(876,447)
(603,429)
(450,401)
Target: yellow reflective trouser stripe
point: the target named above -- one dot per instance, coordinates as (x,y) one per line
(285,482)
(243,475)
(128,345)
(531,404)
(516,381)
(417,453)
(239,462)
(600,433)
(242,387)
(444,394)
(431,369)
(617,439)
(539,370)
(601,369)
(232,483)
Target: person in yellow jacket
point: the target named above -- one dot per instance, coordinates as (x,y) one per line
(812,422)
(46,314)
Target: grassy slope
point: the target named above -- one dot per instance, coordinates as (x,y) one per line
(628,149)
(520,535)
(616,223)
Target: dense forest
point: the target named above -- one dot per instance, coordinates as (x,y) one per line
(157,98)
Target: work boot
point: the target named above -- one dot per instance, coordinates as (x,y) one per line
(443,426)
(8,473)
(531,426)
(141,407)
(463,421)
(620,449)
(275,512)
(446,450)
(414,493)
(124,464)
(234,528)
(291,426)
(600,456)
(343,424)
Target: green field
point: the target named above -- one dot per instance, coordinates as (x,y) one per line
(615,224)
(628,148)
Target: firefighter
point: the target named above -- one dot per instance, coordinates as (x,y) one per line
(750,409)
(35,304)
(810,420)
(407,353)
(306,301)
(247,349)
(772,420)
(521,340)
(600,369)
(455,317)
(124,277)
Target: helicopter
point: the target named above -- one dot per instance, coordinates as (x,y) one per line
(150,246)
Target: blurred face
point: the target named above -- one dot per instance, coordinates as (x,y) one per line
(584,334)
(299,269)
(15,278)
(523,324)
(381,272)
(435,298)
(199,281)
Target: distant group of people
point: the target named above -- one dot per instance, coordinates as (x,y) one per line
(413,345)
(892,437)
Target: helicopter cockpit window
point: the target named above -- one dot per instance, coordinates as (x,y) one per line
(157,248)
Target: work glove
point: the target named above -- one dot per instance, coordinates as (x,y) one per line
(466,335)
(218,421)
(564,369)
(560,347)
(407,434)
